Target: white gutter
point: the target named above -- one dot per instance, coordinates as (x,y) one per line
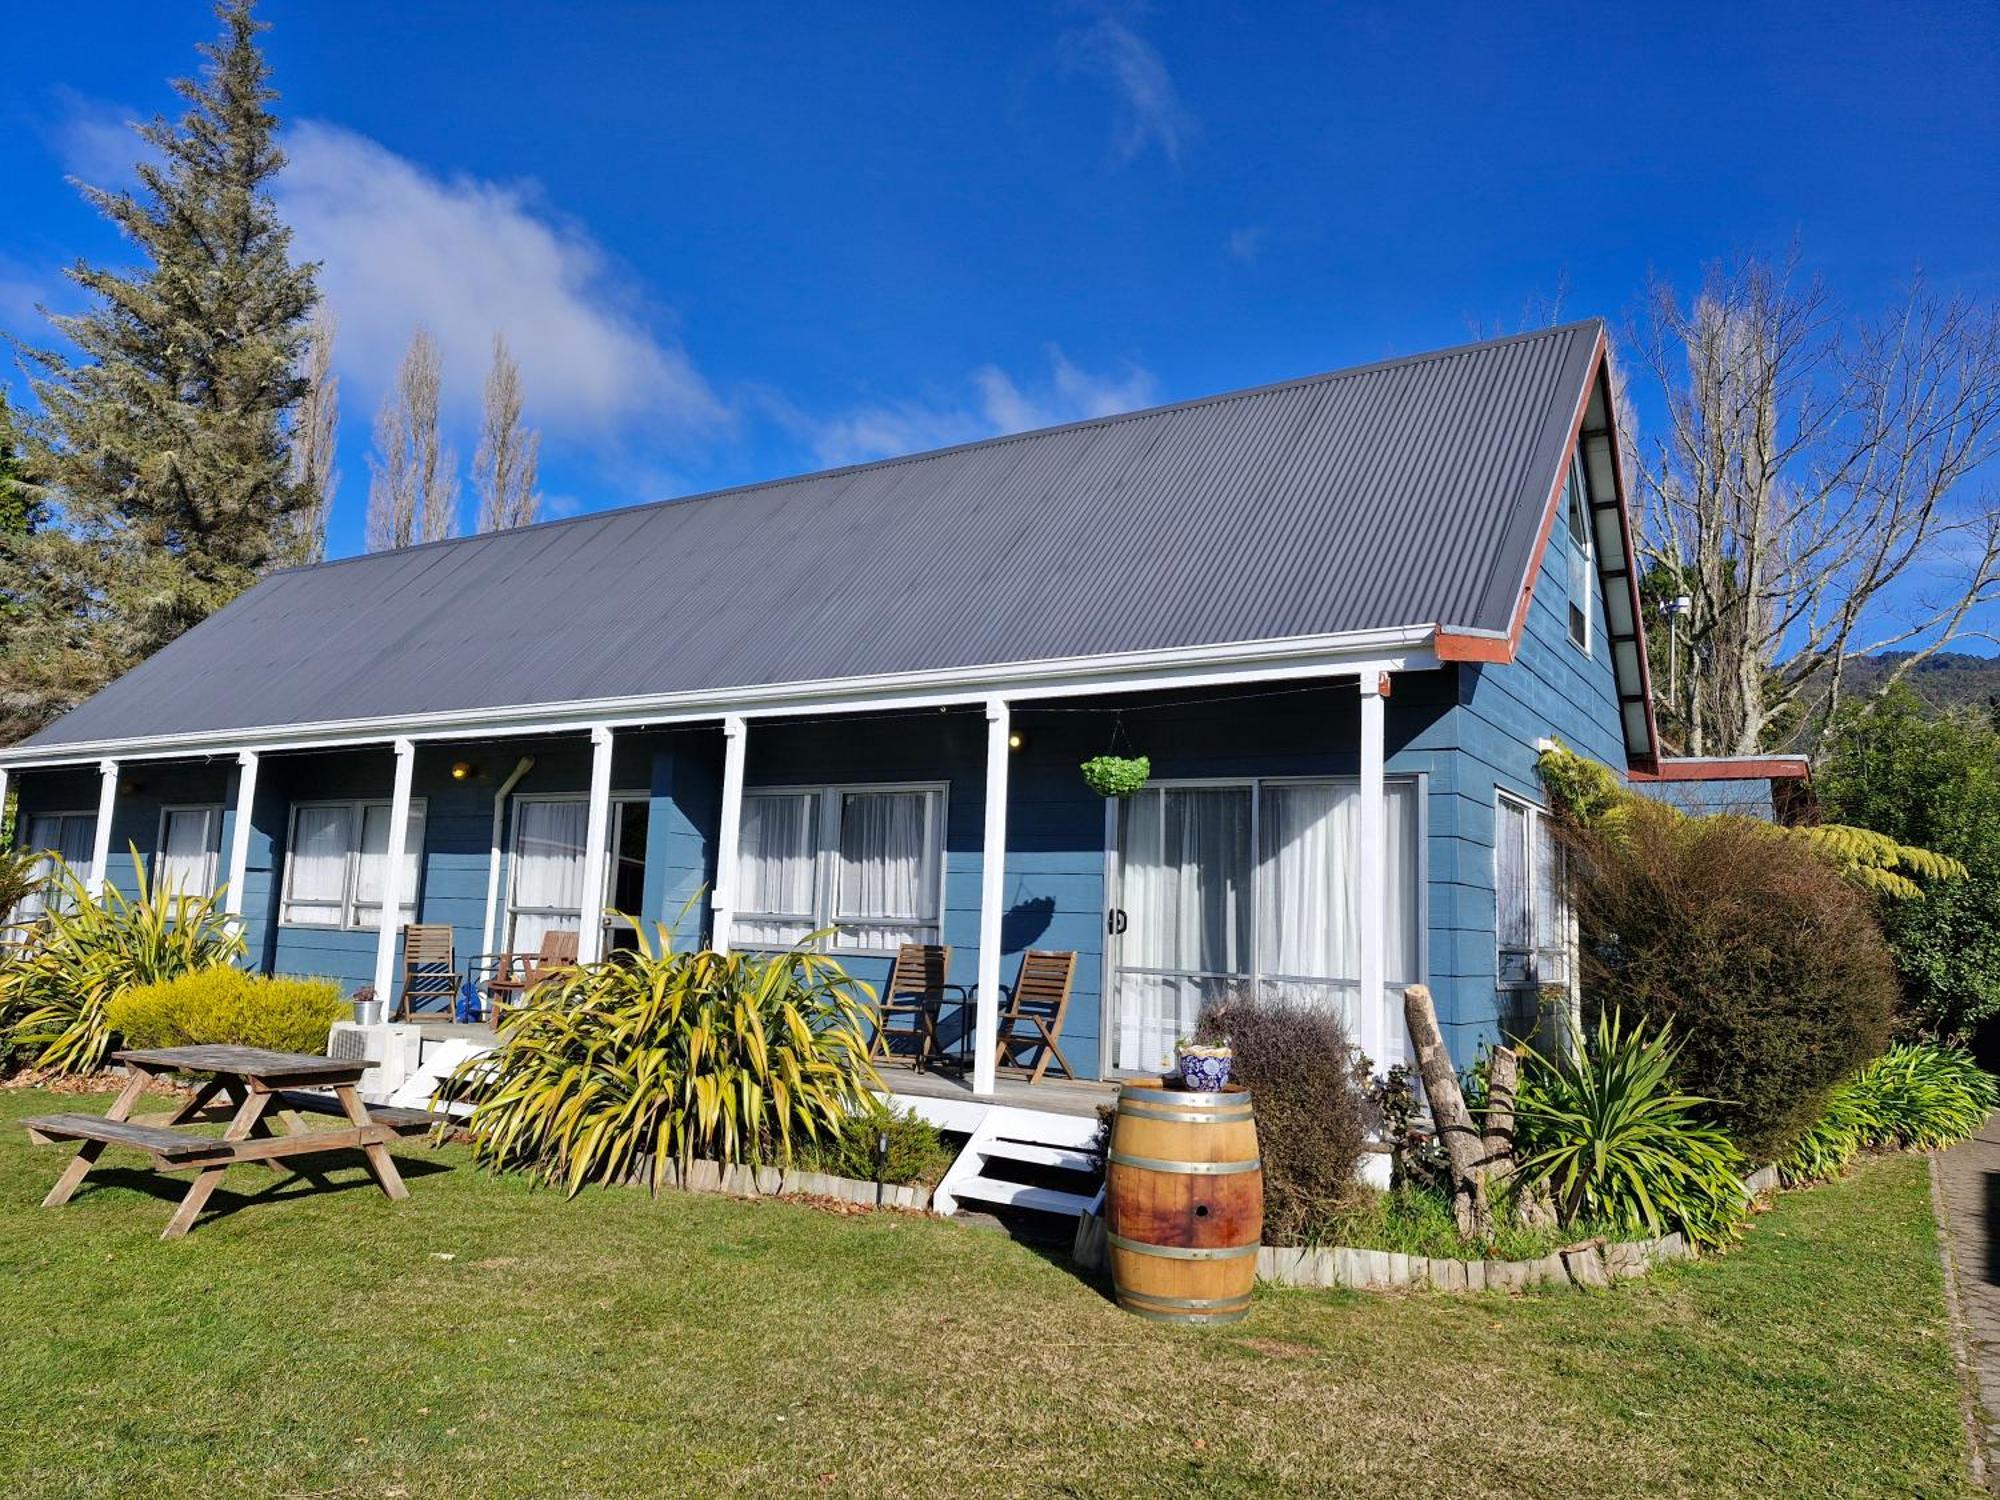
(1353,653)
(526,764)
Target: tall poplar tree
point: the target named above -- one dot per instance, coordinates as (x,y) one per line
(161,442)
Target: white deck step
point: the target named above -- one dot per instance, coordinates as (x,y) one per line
(1021,1195)
(1067,1158)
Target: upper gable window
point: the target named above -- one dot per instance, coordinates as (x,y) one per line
(1578,508)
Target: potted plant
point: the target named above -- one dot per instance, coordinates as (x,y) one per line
(1117,775)
(1204,1066)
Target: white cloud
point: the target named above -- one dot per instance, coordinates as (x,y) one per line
(993,402)
(95,140)
(1245,244)
(1150,111)
(468,257)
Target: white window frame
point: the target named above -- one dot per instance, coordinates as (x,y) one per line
(211,842)
(1538,820)
(515,911)
(45,867)
(1576,523)
(826,864)
(357,811)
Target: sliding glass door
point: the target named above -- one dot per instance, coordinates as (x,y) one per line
(1247,886)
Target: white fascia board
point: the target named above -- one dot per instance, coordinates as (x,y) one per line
(1400,649)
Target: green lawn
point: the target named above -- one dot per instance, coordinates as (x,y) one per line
(483,1339)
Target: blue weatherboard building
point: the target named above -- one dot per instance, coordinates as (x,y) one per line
(1339,615)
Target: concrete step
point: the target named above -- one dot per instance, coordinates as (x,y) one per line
(1066,1157)
(1021,1195)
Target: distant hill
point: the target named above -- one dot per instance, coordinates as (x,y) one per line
(1948,679)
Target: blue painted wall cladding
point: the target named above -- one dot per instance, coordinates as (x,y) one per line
(1552,689)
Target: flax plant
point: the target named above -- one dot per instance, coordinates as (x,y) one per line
(619,1068)
(89,947)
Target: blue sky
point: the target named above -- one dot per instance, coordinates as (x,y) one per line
(729,242)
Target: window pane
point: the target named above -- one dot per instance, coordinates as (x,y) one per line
(889,857)
(1551,912)
(372,865)
(774,868)
(1306,920)
(627,875)
(1402,905)
(185,866)
(548,862)
(1511,890)
(318,866)
(1205,839)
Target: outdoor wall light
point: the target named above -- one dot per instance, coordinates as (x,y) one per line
(1016,740)
(463,770)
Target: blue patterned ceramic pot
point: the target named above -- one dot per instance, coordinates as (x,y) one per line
(1205,1072)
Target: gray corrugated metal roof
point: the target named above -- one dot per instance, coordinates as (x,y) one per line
(1396,494)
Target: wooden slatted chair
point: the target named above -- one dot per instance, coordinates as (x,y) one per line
(1033,1019)
(430,970)
(916,989)
(516,974)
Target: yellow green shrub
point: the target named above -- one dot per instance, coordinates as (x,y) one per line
(225,1006)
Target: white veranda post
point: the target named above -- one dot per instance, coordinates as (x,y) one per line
(723,903)
(392,874)
(100,848)
(596,841)
(992,892)
(1374,1032)
(239,834)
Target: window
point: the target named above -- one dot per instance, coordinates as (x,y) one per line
(190,839)
(546,884)
(336,859)
(1533,926)
(1579,558)
(867,861)
(68,836)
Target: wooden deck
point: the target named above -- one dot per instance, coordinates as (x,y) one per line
(1060,1096)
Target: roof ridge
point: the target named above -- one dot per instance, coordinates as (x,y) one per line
(1217,398)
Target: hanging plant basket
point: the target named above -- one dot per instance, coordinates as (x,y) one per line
(1117,775)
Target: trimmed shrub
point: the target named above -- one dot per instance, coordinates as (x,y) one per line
(1611,1140)
(615,1069)
(1768,965)
(89,949)
(224,1006)
(1299,1067)
(880,1145)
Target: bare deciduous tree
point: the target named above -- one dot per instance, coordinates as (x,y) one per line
(506,465)
(413,480)
(314,434)
(1814,493)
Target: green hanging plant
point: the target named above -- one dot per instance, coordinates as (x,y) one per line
(1117,775)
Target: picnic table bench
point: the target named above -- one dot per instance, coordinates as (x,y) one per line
(244,1083)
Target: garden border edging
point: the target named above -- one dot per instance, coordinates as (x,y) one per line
(737,1181)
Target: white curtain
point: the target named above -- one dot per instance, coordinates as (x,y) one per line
(548,870)
(1551,910)
(71,838)
(1511,895)
(372,866)
(187,864)
(776,851)
(888,870)
(318,891)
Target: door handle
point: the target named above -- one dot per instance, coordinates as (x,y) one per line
(1115,921)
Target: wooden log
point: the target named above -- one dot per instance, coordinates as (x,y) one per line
(1456,1132)
(1496,1144)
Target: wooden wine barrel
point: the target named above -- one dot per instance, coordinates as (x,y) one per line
(1183,1203)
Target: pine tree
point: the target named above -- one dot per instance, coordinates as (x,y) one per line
(20,512)
(162,444)
(509,457)
(413,479)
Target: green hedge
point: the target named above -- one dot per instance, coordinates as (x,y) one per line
(224,1005)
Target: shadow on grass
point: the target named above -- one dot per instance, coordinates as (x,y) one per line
(296,1182)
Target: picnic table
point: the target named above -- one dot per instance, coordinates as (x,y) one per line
(244,1084)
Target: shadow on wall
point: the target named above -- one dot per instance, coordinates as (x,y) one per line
(1023,925)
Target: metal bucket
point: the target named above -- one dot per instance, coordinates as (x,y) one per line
(368,1013)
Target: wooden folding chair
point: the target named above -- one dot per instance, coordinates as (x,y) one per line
(430,971)
(1037,1002)
(557,953)
(916,989)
